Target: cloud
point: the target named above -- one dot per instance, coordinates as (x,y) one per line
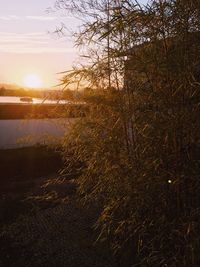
(10,17)
(13,37)
(33,50)
(41,18)
(33,42)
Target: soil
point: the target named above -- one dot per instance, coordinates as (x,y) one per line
(43,224)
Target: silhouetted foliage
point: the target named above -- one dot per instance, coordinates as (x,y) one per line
(139,140)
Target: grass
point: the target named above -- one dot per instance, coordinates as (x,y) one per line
(31,161)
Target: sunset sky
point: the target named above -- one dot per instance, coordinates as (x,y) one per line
(28,47)
(27,44)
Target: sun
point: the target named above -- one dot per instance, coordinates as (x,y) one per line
(32,81)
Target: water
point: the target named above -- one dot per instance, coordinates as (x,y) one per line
(23,133)
(16,100)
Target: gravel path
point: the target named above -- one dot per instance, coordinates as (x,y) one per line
(62,236)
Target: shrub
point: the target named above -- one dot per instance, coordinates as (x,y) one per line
(139,140)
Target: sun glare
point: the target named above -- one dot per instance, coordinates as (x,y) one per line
(32,81)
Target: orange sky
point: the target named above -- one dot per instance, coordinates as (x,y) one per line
(27,44)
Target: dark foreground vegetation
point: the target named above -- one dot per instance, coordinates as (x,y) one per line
(140,140)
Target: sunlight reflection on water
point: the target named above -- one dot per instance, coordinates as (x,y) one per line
(16,100)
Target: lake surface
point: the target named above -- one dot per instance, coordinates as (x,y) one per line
(21,133)
(16,100)
(16,133)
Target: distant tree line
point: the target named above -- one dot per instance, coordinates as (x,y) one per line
(50,94)
(20,92)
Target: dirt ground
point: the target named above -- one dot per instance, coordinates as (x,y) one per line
(41,221)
